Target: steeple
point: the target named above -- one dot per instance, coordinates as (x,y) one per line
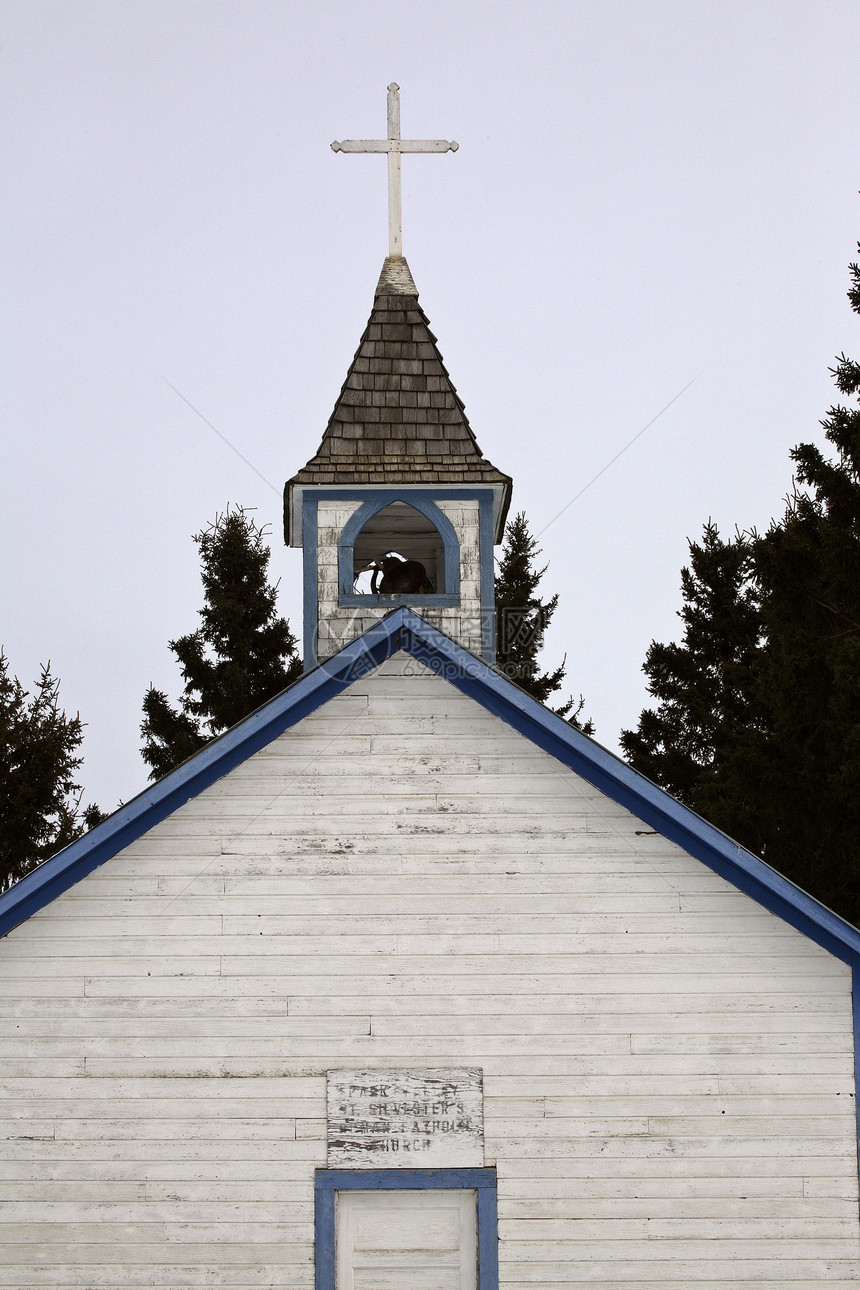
(398,506)
(399,419)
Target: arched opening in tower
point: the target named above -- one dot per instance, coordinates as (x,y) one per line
(399,552)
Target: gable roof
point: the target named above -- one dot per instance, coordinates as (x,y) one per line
(405,630)
(398,418)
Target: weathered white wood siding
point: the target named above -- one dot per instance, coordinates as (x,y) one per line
(402,880)
(340,624)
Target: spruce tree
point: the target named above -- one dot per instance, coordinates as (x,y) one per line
(706,718)
(808,570)
(240,657)
(758,722)
(522,619)
(40,799)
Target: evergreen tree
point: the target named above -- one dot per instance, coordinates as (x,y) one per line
(808,571)
(522,620)
(40,801)
(693,742)
(772,648)
(240,657)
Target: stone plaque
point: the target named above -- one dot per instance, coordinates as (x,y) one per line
(418,1119)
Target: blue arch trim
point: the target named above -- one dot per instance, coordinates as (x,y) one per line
(481,1181)
(426,507)
(310,501)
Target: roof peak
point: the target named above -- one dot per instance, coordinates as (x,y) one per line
(395,278)
(404,630)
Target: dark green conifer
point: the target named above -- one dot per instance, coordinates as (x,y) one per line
(808,571)
(705,685)
(241,656)
(40,800)
(758,720)
(522,619)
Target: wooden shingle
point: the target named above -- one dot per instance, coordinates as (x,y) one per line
(398,387)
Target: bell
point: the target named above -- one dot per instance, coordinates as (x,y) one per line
(399,577)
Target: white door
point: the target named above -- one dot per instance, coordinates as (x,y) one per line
(406,1240)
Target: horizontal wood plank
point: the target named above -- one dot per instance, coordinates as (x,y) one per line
(403,881)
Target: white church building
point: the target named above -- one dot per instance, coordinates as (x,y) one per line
(404,983)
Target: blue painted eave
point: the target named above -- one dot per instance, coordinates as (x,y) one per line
(155,803)
(405,630)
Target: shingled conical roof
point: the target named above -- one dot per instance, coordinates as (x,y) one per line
(398,419)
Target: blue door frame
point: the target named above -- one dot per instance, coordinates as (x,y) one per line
(481,1181)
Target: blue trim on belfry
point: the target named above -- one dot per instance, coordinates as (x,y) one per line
(488,580)
(394,494)
(425,506)
(380,498)
(403,629)
(482,1181)
(392,602)
(310,572)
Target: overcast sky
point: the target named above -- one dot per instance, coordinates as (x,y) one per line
(646,195)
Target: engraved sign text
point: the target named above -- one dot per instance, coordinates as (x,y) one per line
(406,1118)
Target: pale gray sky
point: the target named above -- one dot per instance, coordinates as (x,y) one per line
(645,193)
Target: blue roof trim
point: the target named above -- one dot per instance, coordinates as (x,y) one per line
(405,629)
(628,788)
(37,888)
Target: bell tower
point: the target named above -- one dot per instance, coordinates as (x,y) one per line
(398,506)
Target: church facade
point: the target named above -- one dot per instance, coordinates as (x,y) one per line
(405,984)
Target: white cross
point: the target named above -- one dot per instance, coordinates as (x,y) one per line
(394,146)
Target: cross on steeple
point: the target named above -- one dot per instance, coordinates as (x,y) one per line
(394,146)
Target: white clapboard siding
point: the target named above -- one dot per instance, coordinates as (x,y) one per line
(403,880)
